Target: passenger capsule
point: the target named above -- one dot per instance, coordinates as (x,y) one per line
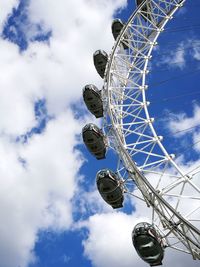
(110,188)
(100,58)
(94,140)
(93,100)
(117,26)
(148,243)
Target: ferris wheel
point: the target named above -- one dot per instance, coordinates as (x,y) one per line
(171,192)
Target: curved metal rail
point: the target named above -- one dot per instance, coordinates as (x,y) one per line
(128,123)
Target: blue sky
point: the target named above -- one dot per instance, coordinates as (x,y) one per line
(52,214)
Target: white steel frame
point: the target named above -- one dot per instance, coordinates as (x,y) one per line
(131,133)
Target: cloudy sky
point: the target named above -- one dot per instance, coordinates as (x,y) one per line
(51,213)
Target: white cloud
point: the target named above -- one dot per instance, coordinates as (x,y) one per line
(177,57)
(90,202)
(16,83)
(58,70)
(180,121)
(184,125)
(196,141)
(38,195)
(82,19)
(6,10)
(109,242)
(174,58)
(196,50)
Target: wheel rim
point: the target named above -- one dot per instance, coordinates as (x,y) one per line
(131,133)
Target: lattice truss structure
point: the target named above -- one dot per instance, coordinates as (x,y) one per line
(173,195)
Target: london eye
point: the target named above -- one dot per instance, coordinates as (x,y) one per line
(145,168)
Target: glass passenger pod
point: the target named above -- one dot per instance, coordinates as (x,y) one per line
(94,140)
(100,58)
(93,100)
(146,8)
(117,26)
(148,243)
(110,188)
